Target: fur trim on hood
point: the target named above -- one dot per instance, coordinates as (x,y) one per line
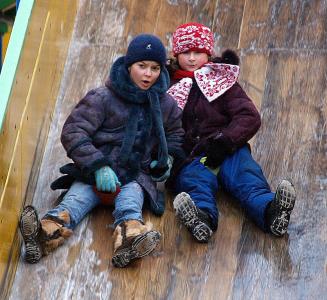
(228,57)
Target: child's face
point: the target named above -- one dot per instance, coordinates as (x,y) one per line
(144,73)
(192,60)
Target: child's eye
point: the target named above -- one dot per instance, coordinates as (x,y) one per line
(156,68)
(141,66)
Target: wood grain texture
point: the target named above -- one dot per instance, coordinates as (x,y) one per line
(269,24)
(227,24)
(28,118)
(283,70)
(294,123)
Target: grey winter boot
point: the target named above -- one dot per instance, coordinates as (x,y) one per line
(42,236)
(195,220)
(132,240)
(279,210)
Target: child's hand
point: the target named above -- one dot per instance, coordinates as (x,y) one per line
(161,174)
(106,180)
(216,153)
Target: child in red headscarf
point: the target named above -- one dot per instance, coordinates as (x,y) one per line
(219,119)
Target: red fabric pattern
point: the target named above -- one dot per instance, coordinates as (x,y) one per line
(193,37)
(180,74)
(213,80)
(180,91)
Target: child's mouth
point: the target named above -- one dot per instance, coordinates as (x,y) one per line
(145,84)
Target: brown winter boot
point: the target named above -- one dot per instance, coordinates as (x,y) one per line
(132,240)
(42,237)
(54,233)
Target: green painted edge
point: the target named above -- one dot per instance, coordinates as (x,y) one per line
(6,3)
(13,53)
(3,27)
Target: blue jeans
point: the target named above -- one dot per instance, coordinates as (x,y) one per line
(239,174)
(80,199)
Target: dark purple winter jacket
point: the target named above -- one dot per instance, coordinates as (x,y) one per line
(93,133)
(232,116)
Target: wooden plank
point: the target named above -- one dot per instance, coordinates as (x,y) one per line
(294,122)
(28,119)
(294,117)
(253,76)
(240,262)
(311,25)
(227,24)
(168,18)
(11,112)
(283,24)
(269,24)
(202,12)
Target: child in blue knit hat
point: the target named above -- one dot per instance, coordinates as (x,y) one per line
(121,137)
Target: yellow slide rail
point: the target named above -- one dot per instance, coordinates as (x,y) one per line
(29,85)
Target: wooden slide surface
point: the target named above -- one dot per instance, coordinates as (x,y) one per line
(29,84)
(283,51)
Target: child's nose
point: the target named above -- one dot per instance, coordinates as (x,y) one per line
(148,72)
(192,57)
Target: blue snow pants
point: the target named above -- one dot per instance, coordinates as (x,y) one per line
(240,175)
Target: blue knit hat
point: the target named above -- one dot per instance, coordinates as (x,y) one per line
(145,47)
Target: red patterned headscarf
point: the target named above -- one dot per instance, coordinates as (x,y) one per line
(192,37)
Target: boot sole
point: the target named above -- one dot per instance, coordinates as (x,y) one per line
(285,196)
(30,226)
(141,246)
(186,211)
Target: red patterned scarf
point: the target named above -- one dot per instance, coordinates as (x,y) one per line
(213,79)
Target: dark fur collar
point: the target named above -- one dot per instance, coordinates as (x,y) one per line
(228,57)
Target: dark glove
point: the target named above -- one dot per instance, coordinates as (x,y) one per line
(161,174)
(218,149)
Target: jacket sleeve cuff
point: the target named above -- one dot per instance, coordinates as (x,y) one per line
(97,164)
(177,153)
(226,142)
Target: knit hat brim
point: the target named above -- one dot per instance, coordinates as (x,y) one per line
(145,47)
(193,37)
